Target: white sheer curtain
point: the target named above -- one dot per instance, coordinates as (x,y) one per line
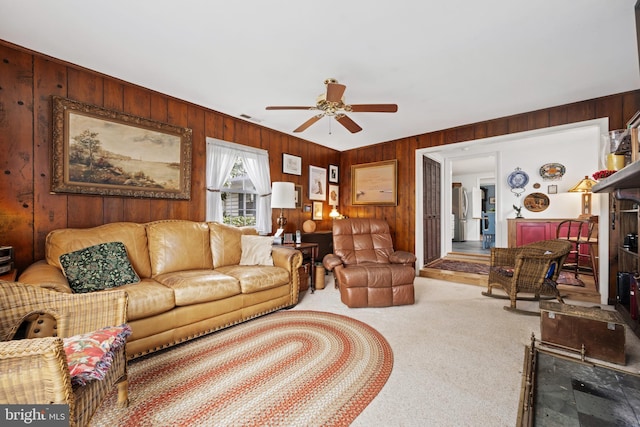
(221,156)
(256,165)
(220,161)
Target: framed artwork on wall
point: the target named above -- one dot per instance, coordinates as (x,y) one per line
(317,183)
(375,183)
(291,164)
(334,175)
(109,153)
(552,189)
(317,211)
(334,195)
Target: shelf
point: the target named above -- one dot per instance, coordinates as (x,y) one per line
(626,178)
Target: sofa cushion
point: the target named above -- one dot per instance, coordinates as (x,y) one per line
(226,243)
(256,278)
(256,250)
(176,245)
(196,286)
(132,235)
(148,298)
(98,267)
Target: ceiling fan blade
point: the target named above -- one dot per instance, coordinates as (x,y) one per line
(335,92)
(285,107)
(308,123)
(374,108)
(348,123)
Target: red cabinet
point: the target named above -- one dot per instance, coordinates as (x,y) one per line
(523,231)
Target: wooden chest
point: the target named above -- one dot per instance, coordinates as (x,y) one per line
(601,332)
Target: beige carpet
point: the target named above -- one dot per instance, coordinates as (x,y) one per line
(457,355)
(290,368)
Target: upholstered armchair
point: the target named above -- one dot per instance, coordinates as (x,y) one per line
(532,270)
(35,370)
(368,272)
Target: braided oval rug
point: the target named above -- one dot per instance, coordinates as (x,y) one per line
(289,368)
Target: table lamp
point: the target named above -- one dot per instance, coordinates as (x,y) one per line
(584,187)
(283,196)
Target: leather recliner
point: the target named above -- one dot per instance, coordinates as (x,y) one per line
(368,272)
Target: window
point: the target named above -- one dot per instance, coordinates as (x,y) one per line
(238,185)
(239,197)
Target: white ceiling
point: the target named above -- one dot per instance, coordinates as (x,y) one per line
(445,63)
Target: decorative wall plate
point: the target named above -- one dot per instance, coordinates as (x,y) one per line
(517,181)
(536,202)
(552,171)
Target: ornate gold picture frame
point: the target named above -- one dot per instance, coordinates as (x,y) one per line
(109,153)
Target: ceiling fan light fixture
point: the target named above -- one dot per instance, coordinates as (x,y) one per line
(332,104)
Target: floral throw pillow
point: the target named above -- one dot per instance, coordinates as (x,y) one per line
(98,267)
(90,355)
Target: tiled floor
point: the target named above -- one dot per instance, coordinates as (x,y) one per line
(470,246)
(577,394)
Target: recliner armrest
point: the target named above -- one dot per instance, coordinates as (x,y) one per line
(402,257)
(331,261)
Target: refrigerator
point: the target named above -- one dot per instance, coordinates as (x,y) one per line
(459,205)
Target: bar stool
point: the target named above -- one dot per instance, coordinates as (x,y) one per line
(583,233)
(488,230)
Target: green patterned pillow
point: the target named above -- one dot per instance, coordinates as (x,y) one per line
(98,267)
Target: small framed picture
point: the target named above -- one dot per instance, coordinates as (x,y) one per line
(333,174)
(317,183)
(298,196)
(317,211)
(334,195)
(291,164)
(307,208)
(552,189)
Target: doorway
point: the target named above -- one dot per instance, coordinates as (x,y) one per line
(576,145)
(475,178)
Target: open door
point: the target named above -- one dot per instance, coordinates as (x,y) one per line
(431,209)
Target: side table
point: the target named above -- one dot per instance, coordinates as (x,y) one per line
(309,254)
(10,276)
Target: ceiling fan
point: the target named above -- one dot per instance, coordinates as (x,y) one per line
(332,104)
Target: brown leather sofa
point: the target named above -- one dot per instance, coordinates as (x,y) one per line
(191,282)
(367,270)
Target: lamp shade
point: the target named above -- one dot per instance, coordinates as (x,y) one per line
(584,186)
(283,195)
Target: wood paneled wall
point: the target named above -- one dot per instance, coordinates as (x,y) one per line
(28,211)
(619,108)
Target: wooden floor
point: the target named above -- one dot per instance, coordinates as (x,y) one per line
(588,293)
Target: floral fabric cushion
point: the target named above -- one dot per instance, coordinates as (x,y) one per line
(98,267)
(90,355)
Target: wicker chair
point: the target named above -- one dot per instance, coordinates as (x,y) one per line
(531,269)
(34,370)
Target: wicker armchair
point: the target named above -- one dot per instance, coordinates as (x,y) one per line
(34,370)
(532,269)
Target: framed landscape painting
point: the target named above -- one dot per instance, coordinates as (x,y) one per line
(375,183)
(108,153)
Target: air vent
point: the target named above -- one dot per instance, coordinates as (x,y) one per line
(248,117)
